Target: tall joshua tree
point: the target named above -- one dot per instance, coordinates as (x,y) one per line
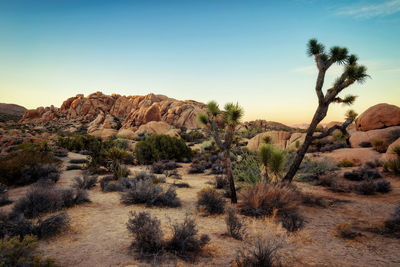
(352,73)
(222,126)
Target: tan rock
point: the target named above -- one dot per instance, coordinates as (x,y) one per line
(278,138)
(104,133)
(126,133)
(389,152)
(387,135)
(378,116)
(158,127)
(355,155)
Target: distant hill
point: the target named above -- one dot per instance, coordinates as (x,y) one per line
(11,112)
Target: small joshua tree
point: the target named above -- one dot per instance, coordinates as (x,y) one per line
(352,73)
(222,126)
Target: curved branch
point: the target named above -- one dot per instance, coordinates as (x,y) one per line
(342,128)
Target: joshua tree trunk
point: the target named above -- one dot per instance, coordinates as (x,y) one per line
(230,176)
(318,117)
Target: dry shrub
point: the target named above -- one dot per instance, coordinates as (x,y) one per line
(145,192)
(264,252)
(292,222)
(211,200)
(16,225)
(393,224)
(147,232)
(149,239)
(345,231)
(86,182)
(184,241)
(236,227)
(47,198)
(262,199)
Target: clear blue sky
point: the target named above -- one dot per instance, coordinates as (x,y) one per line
(249,51)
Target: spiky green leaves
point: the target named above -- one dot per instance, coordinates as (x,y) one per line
(213,108)
(347,100)
(339,54)
(203,118)
(272,159)
(232,114)
(356,73)
(315,48)
(351,114)
(265,153)
(352,59)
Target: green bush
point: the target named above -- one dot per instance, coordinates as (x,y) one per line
(247,168)
(192,136)
(379,145)
(160,147)
(25,157)
(16,252)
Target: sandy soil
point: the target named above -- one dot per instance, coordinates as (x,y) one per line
(98,235)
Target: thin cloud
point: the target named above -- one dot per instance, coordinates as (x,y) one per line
(374,10)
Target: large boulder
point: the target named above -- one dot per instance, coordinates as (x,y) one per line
(355,155)
(157,127)
(104,133)
(378,116)
(389,152)
(278,138)
(388,135)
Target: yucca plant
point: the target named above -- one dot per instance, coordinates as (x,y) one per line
(272,160)
(353,72)
(222,126)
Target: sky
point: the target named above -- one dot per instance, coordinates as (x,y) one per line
(250,52)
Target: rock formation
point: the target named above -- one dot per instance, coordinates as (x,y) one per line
(378,116)
(105,113)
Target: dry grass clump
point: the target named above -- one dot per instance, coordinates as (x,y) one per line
(164,165)
(262,199)
(344,230)
(393,165)
(211,200)
(379,145)
(236,227)
(264,252)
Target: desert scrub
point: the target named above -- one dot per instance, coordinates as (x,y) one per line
(235,226)
(379,145)
(26,166)
(211,201)
(145,192)
(344,230)
(193,136)
(160,167)
(149,240)
(393,165)
(43,198)
(147,232)
(393,224)
(118,170)
(4,195)
(262,199)
(264,252)
(246,167)
(20,252)
(85,182)
(362,174)
(345,163)
(161,147)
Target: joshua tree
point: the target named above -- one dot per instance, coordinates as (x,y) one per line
(272,160)
(352,73)
(223,122)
